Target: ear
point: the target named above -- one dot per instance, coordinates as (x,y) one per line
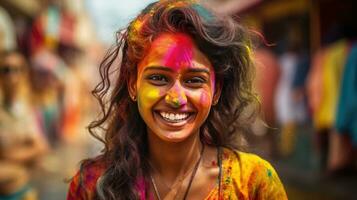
(132,87)
(217,92)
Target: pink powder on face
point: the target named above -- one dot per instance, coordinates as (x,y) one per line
(180,52)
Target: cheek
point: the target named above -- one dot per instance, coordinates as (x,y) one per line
(203,101)
(148,96)
(213,82)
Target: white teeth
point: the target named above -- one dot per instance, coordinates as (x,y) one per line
(174,116)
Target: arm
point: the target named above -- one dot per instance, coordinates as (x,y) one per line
(25,151)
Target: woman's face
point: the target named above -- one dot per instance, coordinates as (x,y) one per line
(175,87)
(11,72)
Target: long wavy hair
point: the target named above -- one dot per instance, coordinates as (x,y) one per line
(122,130)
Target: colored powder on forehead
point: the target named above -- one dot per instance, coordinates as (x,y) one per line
(180,52)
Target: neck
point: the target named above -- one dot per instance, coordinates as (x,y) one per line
(171,160)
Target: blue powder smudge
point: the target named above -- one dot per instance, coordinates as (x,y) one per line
(203,12)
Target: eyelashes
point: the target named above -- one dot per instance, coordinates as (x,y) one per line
(195,82)
(190,81)
(157,79)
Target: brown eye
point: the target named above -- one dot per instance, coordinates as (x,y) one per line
(195,81)
(157,79)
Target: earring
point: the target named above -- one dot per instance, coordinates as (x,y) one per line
(133,98)
(215,102)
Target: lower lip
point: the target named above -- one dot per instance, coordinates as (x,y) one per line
(174,124)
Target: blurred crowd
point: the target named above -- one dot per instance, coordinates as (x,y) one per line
(49,62)
(307,84)
(299,90)
(307,88)
(46,74)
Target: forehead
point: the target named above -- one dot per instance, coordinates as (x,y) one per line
(176,51)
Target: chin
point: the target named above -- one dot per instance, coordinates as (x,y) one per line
(174,136)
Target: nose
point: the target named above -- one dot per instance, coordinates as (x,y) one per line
(176,96)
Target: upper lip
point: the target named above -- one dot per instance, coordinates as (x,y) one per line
(175,111)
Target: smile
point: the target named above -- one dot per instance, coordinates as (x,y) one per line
(174,117)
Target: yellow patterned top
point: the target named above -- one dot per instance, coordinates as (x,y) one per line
(246,176)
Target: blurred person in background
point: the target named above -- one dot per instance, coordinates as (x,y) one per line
(7,31)
(289,102)
(47,88)
(21,139)
(267,76)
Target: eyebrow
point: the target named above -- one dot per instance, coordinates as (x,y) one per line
(158,68)
(170,70)
(199,70)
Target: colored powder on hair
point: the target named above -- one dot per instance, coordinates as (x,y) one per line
(203,12)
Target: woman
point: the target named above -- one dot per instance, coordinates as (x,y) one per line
(172,120)
(21,140)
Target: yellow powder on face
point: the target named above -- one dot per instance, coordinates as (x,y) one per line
(153,94)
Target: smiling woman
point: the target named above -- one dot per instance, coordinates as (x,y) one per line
(173,120)
(184,79)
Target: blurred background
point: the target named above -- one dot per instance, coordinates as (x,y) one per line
(306,62)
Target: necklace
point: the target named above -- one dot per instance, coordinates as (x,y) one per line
(190,181)
(219,159)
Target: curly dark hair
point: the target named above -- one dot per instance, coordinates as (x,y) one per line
(228,46)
